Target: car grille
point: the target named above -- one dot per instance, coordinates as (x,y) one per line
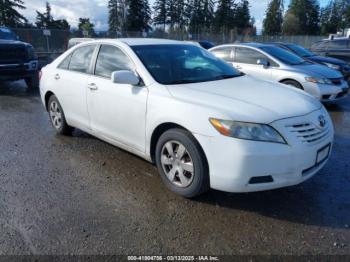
(309,133)
(336,81)
(12,55)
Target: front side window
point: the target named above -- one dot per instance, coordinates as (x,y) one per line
(111,59)
(181,64)
(248,56)
(300,51)
(224,53)
(81,59)
(284,55)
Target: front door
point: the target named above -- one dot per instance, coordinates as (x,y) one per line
(117,111)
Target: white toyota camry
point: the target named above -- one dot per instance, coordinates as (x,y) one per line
(204,124)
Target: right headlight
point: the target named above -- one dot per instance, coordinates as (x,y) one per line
(247,131)
(318,80)
(333,66)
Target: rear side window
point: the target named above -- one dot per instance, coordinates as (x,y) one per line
(81,59)
(65,63)
(224,53)
(248,56)
(338,44)
(111,59)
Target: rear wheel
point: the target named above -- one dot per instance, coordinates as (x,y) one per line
(292,83)
(181,163)
(57,117)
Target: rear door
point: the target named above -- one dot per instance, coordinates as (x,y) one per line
(245,59)
(70,79)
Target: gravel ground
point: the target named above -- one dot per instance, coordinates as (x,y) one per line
(79,195)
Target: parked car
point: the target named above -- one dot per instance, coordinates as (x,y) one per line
(204,44)
(333,63)
(200,120)
(338,48)
(17,59)
(75,41)
(273,63)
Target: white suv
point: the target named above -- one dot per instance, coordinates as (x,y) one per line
(202,122)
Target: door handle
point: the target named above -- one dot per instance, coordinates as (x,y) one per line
(57,76)
(92,86)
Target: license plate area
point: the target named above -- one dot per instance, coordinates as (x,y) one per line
(323,154)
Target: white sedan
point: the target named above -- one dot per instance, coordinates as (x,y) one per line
(203,123)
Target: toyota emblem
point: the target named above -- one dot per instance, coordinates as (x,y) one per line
(322,121)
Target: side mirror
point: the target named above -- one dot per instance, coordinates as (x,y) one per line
(125,77)
(263,62)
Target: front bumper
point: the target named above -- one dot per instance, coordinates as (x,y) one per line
(18,71)
(327,93)
(237,165)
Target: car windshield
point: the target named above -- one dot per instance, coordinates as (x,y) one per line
(7,34)
(180,64)
(300,51)
(284,55)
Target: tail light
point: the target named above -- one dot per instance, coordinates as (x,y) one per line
(40,74)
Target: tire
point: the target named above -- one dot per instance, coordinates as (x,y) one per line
(33,81)
(180,179)
(292,83)
(57,117)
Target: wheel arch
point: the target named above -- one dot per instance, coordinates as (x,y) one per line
(163,127)
(47,97)
(291,79)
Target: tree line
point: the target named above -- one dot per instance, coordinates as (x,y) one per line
(306,17)
(301,17)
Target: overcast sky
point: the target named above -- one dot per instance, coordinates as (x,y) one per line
(97,10)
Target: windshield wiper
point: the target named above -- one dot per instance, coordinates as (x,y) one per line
(183,81)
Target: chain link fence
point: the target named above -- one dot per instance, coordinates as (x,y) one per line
(51,43)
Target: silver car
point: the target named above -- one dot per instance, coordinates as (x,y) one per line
(273,63)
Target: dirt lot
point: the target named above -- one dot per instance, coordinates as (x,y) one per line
(79,195)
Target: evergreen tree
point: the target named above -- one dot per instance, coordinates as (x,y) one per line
(138,16)
(201,14)
(46,20)
(306,15)
(224,16)
(9,16)
(242,19)
(272,24)
(117,15)
(335,16)
(87,26)
(177,13)
(160,13)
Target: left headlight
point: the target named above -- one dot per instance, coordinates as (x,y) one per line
(247,131)
(318,80)
(333,66)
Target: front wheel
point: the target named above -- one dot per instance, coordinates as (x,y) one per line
(57,117)
(181,163)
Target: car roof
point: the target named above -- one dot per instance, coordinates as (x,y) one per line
(142,41)
(252,44)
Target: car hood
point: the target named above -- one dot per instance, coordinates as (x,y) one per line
(12,43)
(324,59)
(318,71)
(247,99)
